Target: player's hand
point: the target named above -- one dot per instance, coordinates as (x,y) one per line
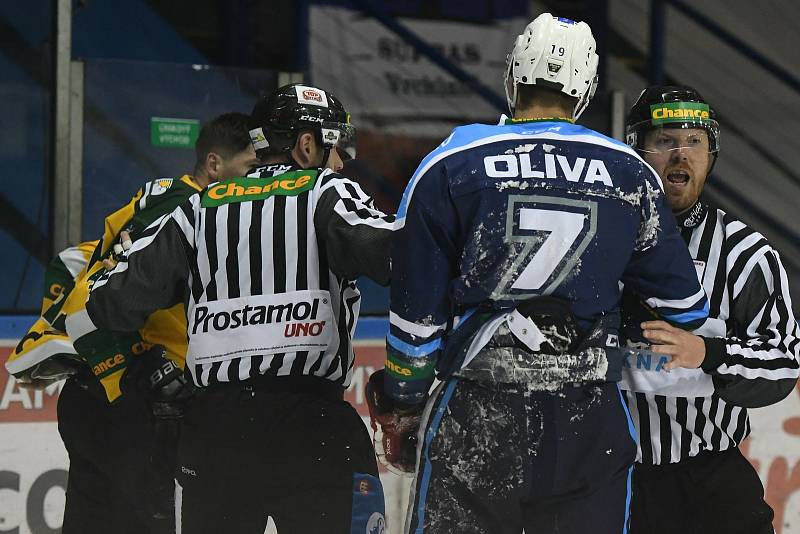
(119,250)
(685,349)
(159,380)
(395,430)
(50,371)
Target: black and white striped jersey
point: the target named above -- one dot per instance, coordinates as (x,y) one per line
(266,267)
(752,347)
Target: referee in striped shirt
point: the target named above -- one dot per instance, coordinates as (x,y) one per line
(690,475)
(266,266)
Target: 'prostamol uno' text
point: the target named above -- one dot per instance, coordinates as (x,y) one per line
(254,315)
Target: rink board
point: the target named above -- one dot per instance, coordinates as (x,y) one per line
(33,462)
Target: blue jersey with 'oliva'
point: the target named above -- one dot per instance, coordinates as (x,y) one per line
(499,214)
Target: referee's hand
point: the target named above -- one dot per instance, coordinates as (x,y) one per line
(685,349)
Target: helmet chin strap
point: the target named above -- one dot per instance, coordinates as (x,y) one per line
(326,153)
(713,162)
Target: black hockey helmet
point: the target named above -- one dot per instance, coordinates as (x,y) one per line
(280,117)
(671,106)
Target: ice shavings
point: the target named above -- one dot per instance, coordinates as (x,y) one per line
(500,363)
(648,230)
(479,445)
(480,252)
(542,372)
(595,394)
(521,149)
(634,198)
(512,184)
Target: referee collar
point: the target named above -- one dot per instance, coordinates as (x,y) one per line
(692,217)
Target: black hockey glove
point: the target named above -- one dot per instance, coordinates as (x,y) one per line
(635,311)
(159,381)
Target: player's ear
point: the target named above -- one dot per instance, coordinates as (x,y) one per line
(213,164)
(305,149)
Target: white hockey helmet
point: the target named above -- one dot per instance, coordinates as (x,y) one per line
(555,53)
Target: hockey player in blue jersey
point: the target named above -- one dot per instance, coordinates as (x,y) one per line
(510,245)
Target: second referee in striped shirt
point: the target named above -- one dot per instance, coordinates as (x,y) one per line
(690,475)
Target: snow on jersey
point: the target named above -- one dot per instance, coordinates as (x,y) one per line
(499,214)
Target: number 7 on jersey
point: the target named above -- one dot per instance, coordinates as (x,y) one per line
(553,233)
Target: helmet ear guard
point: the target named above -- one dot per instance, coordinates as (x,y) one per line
(555,53)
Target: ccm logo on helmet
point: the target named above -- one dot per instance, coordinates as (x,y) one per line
(309,118)
(257,315)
